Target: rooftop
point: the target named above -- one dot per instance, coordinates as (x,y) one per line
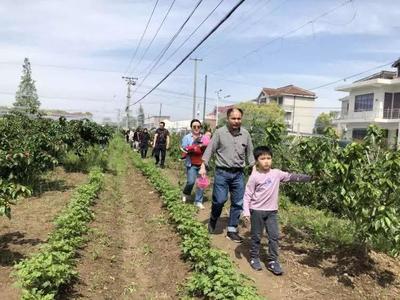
(381,75)
(288,90)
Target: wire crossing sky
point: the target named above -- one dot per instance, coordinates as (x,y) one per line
(77,65)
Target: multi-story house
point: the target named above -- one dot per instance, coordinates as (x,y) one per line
(372,100)
(297,103)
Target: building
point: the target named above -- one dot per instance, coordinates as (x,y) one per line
(372,100)
(211,117)
(178,126)
(152,122)
(297,103)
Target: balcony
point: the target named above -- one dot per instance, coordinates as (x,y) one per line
(393,113)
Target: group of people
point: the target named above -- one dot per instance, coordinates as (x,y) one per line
(140,140)
(257,200)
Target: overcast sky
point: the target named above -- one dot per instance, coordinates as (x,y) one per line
(80,49)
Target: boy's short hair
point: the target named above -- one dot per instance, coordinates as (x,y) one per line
(262,150)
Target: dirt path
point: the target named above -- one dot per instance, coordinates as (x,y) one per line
(133,252)
(309,274)
(30,224)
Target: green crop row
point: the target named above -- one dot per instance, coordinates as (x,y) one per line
(214,275)
(41,275)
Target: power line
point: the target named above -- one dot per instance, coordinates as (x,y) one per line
(190,35)
(311,22)
(194,49)
(141,38)
(243,18)
(163,51)
(351,76)
(154,37)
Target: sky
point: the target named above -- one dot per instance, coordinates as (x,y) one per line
(79,50)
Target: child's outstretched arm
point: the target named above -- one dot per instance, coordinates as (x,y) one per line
(294,177)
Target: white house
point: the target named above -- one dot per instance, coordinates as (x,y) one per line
(297,103)
(372,100)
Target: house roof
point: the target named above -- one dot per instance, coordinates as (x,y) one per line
(288,90)
(381,74)
(396,64)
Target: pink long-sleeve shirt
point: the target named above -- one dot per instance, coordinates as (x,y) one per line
(262,189)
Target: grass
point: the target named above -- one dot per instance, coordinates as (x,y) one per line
(319,227)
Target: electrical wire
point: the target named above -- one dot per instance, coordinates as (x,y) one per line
(141,38)
(346,2)
(154,37)
(190,35)
(163,51)
(226,17)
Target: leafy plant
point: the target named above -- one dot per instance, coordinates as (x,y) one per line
(41,275)
(214,276)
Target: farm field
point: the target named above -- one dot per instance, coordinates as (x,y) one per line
(132,250)
(310,273)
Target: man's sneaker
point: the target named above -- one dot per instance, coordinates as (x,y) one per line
(234,236)
(274,267)
(199,205)
(184,198)
(162,166)
(255,264)
(211,225)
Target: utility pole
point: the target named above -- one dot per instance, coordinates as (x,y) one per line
(118,118)
(194,85)
(159,115)
(218,99)
(205,98)
(131,81)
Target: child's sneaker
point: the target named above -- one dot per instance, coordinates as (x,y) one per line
(234,236)
(255,264)
(274,267)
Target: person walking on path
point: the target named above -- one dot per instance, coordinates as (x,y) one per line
(193,144)
(161,144)
(231,145)
(261,206)
(144,142)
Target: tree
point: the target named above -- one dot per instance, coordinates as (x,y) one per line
(323,122)
(26,98)
(140,117)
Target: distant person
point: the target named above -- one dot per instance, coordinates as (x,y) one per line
(161,144)
(261,206)
(231,145)
(131,136)
(136,138)
(193,145)
(144,143)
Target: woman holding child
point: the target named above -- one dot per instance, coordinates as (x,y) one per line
(193,146)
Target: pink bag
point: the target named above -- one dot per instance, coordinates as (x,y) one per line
(202,182)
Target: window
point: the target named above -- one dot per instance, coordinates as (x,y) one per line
(364,102)
(280,100)
(359,133)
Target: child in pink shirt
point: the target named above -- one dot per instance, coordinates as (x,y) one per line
(260,204)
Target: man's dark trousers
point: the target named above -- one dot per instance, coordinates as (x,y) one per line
(160,153)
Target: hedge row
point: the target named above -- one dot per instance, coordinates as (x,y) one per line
(41,275)
(214,275)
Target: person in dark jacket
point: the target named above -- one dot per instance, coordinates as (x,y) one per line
(144,142)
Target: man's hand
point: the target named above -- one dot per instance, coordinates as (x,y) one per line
(203,171)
